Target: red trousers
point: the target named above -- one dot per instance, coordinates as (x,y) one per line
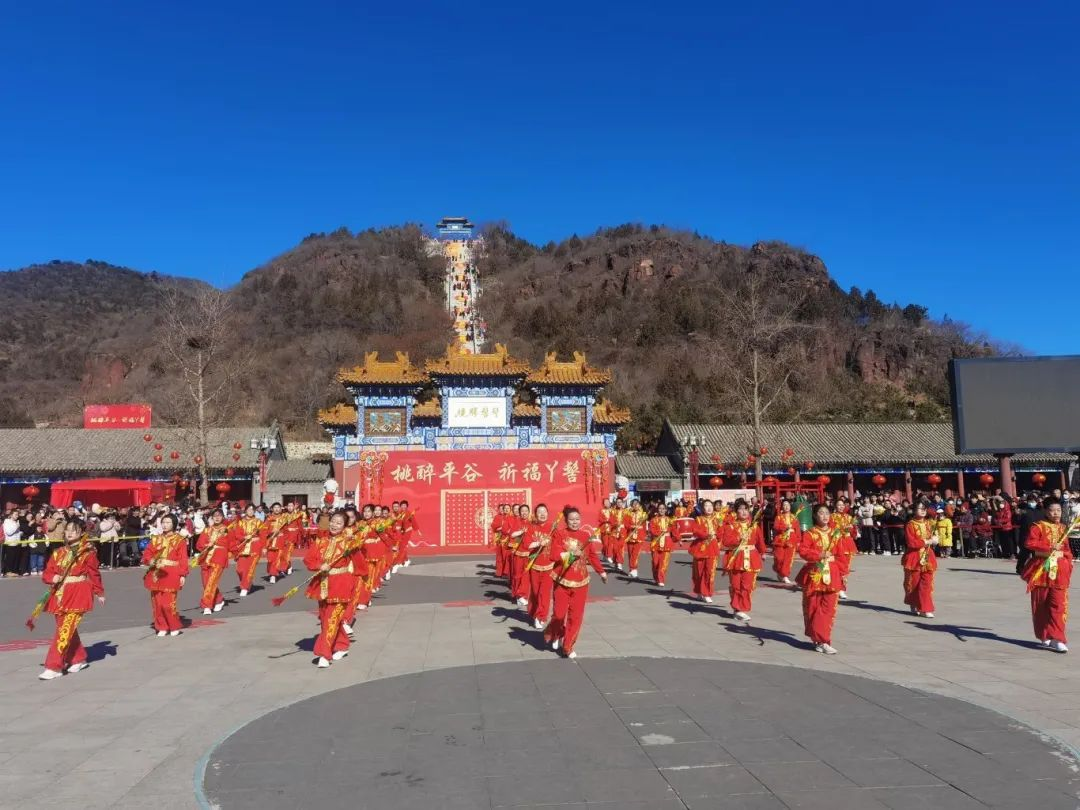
(741,586)
(660,560)
(211,576)
(540,585)
(606,542)
(519,579)
(618,550)
(783,557)
(163,609)
(919,590)
(500,561)
(331,636)
(66,647)
(277,560)
(704,573)
(245,569)
(1049,612)
(633,552)
(402,555)
(361,596)
(567,616)
(819,613)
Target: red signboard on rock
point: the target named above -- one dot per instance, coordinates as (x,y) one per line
(456,493)
(116,416)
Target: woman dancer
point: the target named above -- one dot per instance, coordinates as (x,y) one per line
(820,580)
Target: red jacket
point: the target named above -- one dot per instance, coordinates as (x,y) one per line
(744,545)
(1051,560)
(705,544)
(818,576)
(919,555)
(341,553)
(538,541)
(247,537)
(83,581)
(216,539)
(786,531)
(169,554)
(571,551)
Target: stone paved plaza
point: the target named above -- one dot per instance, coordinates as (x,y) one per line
(449,700)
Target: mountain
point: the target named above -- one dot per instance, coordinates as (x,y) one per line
(655,304)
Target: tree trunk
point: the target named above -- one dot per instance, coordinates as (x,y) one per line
(204,483)
(756,428)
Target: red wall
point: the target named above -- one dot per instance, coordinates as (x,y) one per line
(454,493)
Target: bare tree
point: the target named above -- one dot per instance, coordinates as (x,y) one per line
(766,340)
(195,333)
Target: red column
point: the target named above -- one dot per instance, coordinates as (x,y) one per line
(907,485)
(1008,484)
(851,487)
(1064,481)
(960,483)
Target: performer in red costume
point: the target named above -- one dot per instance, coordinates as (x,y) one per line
(705,550)
(167,558)
(660,543)
(847,547)
(247,547)
(517,542)
(72,570)
(336,555)
(1048,574)
(820,580)
(786,536)
(405,525)
(498,539)
(744,547)
(607,513)
(636,536)
(619,521)
(213,559)
(920,563)
(274,533)
(572,547)
(539,565)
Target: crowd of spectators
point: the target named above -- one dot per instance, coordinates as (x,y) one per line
(31,532)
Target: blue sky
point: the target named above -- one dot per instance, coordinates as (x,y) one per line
(928,151)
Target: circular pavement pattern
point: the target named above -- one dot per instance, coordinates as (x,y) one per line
(636,733)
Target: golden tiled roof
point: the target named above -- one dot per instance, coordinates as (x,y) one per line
(523,410)
(398,371)
(604,413)
(571,372)
(341,415)
(427,410)
(494,364)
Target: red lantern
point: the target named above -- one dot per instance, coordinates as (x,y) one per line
(235,456)
(879,480)
(30,492)
(824,480)
(809,465)
(770,479)
(147,437)
(183,483)
(159,446)
(1039,479)
(715,482)
(788,452)
(328,498)
(222,489)
(715,459)
(986,479)
(157,457)
(198,459)
(237,446)
(623,493)
(934,480)
(229,472)
(764,451)
(174,455)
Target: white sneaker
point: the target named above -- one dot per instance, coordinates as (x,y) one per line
(322,663)
(289,571)
(174,632)
(1059,646)
(819,648)
(161,634)
(572,655)
(361,607)
(347,628)
(49,674)
(337,656)
(386,577)
(914,611)
(608,560)
(927,615)
(555,644)
(1048,644)
(395,568)
(886,553)
(743,617)
(707,599)
(618,566)
(79,667)
(206,611)
(218,607)
(407,563)
(633,573)
(786,580)
(522,601)
(843,595)
(273,580)
(243,591)
(828,649)
(539,625)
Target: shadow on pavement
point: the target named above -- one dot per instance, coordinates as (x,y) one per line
(962,633)
(530,637)
(100,650)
